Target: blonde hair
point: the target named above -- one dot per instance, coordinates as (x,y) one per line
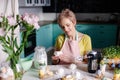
(66,13)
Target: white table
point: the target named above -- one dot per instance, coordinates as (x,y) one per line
(32,74)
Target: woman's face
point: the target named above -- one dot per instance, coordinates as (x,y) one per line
(68,26)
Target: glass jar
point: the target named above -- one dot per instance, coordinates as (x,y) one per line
(40,58)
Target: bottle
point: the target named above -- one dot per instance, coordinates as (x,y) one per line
(40,58)
(92,61)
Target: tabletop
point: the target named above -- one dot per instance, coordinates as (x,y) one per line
(33,74)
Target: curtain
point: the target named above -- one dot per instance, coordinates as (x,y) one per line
(9,7)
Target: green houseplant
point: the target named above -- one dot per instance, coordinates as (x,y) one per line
(8,39)
(116,75)
(111,52)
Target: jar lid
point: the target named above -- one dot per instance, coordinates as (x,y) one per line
(39,48)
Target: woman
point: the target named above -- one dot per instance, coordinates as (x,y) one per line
(72,44)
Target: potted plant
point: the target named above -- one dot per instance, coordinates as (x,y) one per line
(112,53)
(116,75)
(9,40)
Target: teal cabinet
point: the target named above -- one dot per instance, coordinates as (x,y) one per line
(102,35)
(56,31)
(44,36)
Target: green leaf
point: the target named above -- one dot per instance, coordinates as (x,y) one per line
(8,49)
(8,38)
(117,71)
(19,50)
(9,57)
(15,42)
(4,50)
(15,26)
(111,51)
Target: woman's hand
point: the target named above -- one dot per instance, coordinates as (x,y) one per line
(55,60)
(66,59)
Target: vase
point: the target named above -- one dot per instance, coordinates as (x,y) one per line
(116,76)
(17,69)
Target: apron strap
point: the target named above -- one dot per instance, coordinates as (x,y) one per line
(76,36)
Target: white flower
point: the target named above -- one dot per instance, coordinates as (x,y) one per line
(35,18)
(2,31)
(36,26)
(31,19)
(11,21)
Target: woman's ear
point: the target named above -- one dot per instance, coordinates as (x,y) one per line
(74,22)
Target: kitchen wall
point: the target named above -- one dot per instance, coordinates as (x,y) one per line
(80,16)
(38,10)
(52,16)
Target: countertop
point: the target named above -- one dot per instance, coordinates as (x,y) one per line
(33,74)
(41,23)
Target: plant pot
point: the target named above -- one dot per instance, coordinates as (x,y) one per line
(116,77)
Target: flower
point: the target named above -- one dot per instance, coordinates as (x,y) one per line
(2,32)
(9,40)
(104,61)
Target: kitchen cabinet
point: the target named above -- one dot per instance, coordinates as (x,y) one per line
(102,35)
(44,36)
(56,31)
(32,3)
(47,34)
(84,6)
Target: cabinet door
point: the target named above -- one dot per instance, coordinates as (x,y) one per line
(48,2)
(44,36)
(102,35)
(56,31)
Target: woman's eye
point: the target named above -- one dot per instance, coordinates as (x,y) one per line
(68,25)
(62,27)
